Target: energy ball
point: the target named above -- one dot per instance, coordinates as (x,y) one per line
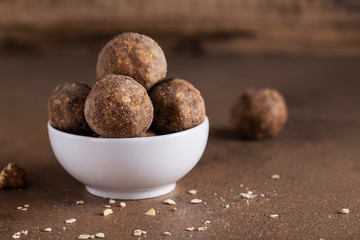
(259,113)
(134,55)
(178,106)
(118,107)
(66,108)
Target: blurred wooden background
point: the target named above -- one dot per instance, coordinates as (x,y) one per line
(297,27)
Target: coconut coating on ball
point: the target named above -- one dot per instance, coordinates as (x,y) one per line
(118,107)
(259,113)
(66,108)
(178,106)
(134,55)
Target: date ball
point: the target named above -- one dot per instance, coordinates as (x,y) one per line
(119,107)
(134,55)
(66,108)
(178,106)
(259,113)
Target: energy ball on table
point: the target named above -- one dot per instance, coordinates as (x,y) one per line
(134,55)
(259,113)
(118,106)
(178,106)
(66,108)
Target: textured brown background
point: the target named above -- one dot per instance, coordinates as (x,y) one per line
(317,155)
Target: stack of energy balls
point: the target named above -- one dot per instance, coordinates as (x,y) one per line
(130,97)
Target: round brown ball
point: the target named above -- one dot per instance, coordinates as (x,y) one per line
(66,108)
(118,107)
(178,106)
(259,113)
(134,55)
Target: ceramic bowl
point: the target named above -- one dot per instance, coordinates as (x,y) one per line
(130,168)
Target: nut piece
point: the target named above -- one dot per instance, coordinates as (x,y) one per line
(201,229)
(111,201)
(134,55)
(84,236)
(12,176)
(151,212)
(66,108)
(122,204)
(345,211)
(248,195)
(192,191)
(275,176)
(80,202)
(274,215)
(169,201)
(195,201)
(100,235)
(139,232)
(259,113)
(118,106)
(190,228)
(47,229)
(178,106)
(71,220)
(167,233)
(107,211)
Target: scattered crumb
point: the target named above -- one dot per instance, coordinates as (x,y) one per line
(201,229)
(107,206)
(84,236)
(167,233)
(174,209)
(195,201)
(107,211)
(100,235)
(190,228)
(344,211)
(47,229)
(207,222)
(151,212)
(139,232)
(122,204)
(248,195)
(111,201)
(192,191)
(227,206)
(274,215)
(169,201)
(71,220)
(80,202)
(275,176)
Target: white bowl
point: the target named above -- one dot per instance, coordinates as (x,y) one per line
(130,168)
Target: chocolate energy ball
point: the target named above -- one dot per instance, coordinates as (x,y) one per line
(118,106)
(178,106)
(134,55)
(66,108)
(259,113)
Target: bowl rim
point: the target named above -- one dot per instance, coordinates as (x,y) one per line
(96,139)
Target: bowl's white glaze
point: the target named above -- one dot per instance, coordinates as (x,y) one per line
(130,168)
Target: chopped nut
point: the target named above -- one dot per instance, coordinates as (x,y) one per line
(169,201)
(24,209)
(107,206)
(80,202)
(167,233)
(100,235)
(111,201)
(12,176)
(18,208)
(227,206)
(248,195)
(92,236)
(16,235)
(25,232)
(192,191)
(139,232)
(107,211)
(206,222)
(190,228)
(345,211)
(71,220)
(201,229)
(174,209)
(26,205)
(275,176)
(47,229)
(151,212)
(274,215)
(122,204)
(195,201)
(84,236)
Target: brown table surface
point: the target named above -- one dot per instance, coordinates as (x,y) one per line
(316,155)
